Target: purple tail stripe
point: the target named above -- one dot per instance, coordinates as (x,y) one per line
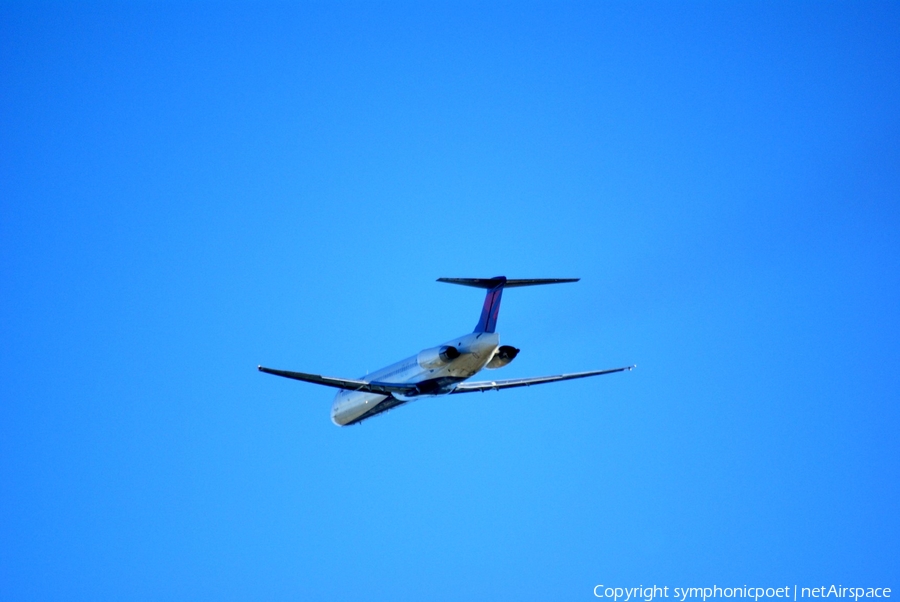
(491,309)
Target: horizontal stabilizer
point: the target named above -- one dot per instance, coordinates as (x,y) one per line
(496,385)
(491,308)
(507,283)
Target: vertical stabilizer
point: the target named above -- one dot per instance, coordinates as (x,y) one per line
(495,286)
(491,309)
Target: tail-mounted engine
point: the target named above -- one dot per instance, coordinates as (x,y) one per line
(437,356)
(504,355)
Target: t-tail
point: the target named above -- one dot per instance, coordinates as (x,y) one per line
(491,309)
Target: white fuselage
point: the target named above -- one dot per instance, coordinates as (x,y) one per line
(475,351)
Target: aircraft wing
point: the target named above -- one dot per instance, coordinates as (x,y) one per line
(345,383)
(493,385)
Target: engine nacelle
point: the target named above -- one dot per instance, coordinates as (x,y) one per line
(437,356)
(505,354)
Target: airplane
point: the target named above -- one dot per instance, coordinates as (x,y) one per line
(440,370)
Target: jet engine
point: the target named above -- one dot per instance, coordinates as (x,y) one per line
(437,356)
(504,355)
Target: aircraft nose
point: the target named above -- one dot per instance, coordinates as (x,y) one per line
(336,417)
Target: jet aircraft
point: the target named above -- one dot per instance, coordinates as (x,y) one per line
(440,370)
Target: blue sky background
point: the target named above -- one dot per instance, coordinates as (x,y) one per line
(188,192)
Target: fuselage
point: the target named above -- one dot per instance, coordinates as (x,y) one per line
(432,374)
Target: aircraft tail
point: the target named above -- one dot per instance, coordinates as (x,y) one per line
(491,309)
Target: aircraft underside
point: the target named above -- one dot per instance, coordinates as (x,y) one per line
(427,388)
(389,403)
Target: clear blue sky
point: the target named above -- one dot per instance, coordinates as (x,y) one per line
(188,192)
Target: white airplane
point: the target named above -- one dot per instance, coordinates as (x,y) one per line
(439,370)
